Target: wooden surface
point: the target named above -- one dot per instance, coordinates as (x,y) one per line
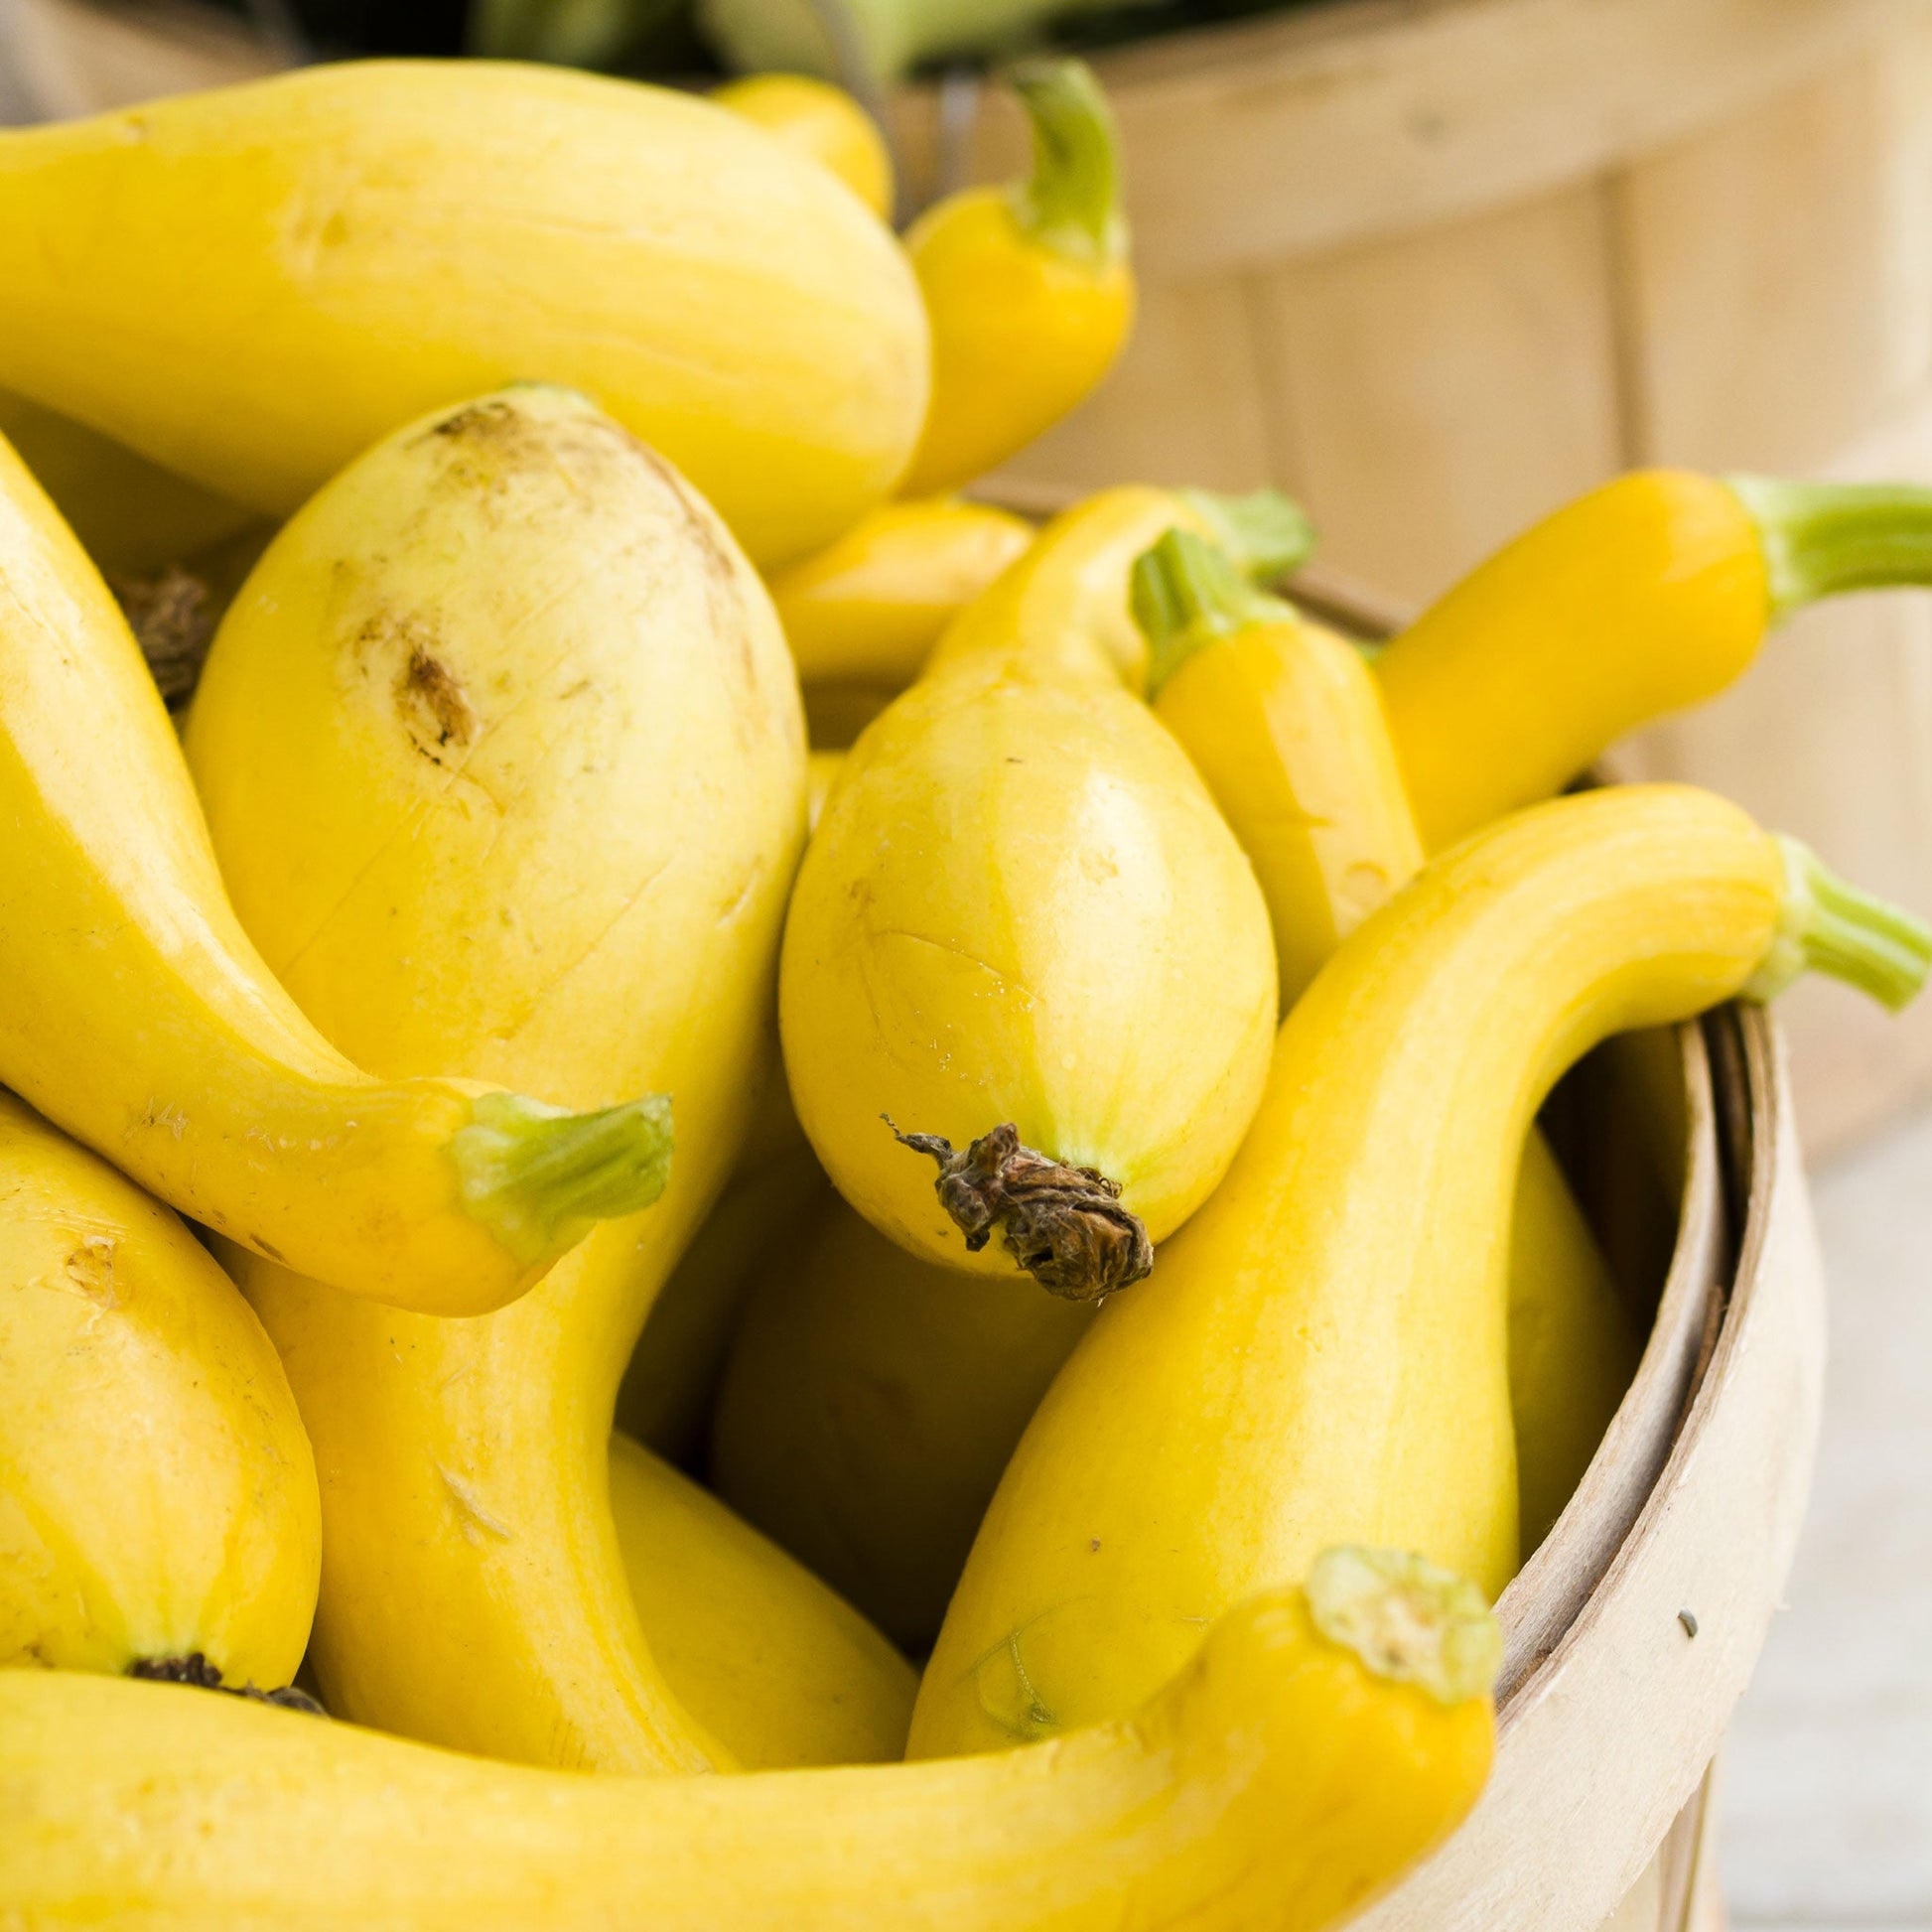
(1328,126)
(1621,1722)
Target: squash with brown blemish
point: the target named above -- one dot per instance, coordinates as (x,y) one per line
(501,753)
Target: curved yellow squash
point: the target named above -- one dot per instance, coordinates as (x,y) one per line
(821,120)
(130,515)
(869,609)
(1291,1770)
(1322,1353)
(251,285)
(1283,721)
(869,1403)
(1028,287)
(524,790)
(1647,594)
(139,1017)
(157,1494)
(771,1661)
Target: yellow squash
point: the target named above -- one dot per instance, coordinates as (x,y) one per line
(401,234)
(823,121)
(130,515)
(668,1387)
(870,610)
(1318,1743)
(1645,596)
(1322,1353)
(139,1017)
(772,1663)
(1284,722)
(1024,933)
(1028,286)
(869,1403)
(157,1494)
(1070,595)
(522,789)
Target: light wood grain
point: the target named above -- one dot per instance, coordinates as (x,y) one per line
(1429,397)
(1181,406)
(1272,139)
(1775,268)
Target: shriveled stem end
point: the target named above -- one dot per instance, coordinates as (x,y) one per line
(1828,925)
(1406,1620)
(193,1669)
(1186,594)
(1071,202)
(1064,1225)
(539,1179)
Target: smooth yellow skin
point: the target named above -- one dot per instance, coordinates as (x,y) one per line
(771,1661)
(1067,599)
(157,1494)
(138,1017)
(1572,1347)
(1285,723)
(130,515)
(1276,1782)
(1643,597)
(821,120)
(251,285)
(1322,1356)
(870,610)
(1020,905)
(1022,334)
(588,890)
(668,1387)
(869,1404)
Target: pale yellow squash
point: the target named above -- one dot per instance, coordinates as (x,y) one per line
(772,1662)
(157,1494)
(250,285)
(1021,908)
(503,756)
(822,121)
(139,1018)
(1316,1746)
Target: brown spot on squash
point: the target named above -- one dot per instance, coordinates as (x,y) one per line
(431,699)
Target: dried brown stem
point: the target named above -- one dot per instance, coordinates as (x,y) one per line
(1064,1225)
(194,1669)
